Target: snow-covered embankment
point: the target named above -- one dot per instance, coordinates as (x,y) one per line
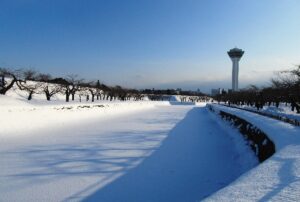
(277,178)
(24,118)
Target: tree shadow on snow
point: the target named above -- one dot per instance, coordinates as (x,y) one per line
(286,180)
(179,170)
(189,164)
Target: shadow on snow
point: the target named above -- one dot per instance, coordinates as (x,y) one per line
(188,166)
(194,160)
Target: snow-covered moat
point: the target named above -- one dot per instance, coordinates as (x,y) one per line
(160,153)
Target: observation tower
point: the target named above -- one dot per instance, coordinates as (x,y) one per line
(235,54)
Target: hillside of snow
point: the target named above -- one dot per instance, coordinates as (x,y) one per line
(283,110)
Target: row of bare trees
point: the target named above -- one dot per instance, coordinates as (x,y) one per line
(285,88)
(33,82)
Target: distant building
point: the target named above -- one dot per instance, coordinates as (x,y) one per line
(235,55)
(217,91)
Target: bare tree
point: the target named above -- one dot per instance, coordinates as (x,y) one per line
(8,79)
(289,84)
(68,86)
(29,74)
(84,90)
(93,92)
(285,88)
(48,88)
(105,91)
(92,88)
(73,87)
(30,87)
(43,77)
(99,91)
(29,84)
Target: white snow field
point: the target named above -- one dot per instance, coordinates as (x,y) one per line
(277,178)
(283,110)
(142,151)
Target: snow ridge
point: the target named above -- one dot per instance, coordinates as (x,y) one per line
(259,142)
(277,178)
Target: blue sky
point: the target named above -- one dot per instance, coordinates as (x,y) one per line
(151,43)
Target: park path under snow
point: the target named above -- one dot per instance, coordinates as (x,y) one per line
(165,153)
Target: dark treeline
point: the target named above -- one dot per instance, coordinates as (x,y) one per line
(71,86)
(284,88)
(33,82)
(172,92)
(185,96)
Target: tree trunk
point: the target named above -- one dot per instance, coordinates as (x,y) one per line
(2,81)
(30,95)
(5,89)
(298,109)
(67,96)
(48,96)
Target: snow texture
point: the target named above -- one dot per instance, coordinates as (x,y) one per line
(131,151)
(283,110)
(276,179)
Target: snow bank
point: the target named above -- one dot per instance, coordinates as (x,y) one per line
(282,110)
(259,142)
(276,179)
(19,117)
(174,98)
(246,157)
(8,101)
(164,153)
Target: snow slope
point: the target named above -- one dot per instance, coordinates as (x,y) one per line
(282,111)
(276,179)
(149,152)
(23,119)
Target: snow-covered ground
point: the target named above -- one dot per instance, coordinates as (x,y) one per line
(283,110)
(276,179)
(123,151)
(138,151)
(22,119)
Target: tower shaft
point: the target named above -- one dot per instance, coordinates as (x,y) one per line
(235,54)
(235,73)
